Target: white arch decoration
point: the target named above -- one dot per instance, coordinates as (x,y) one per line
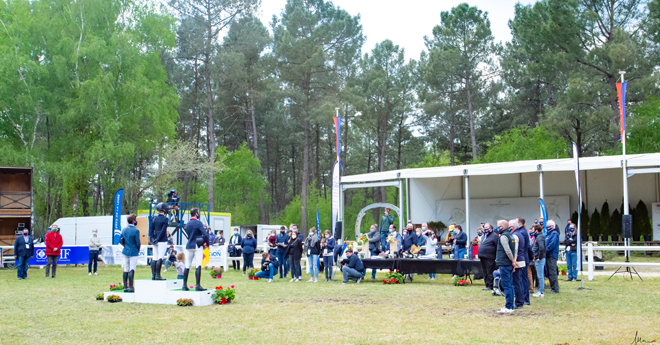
(372,206)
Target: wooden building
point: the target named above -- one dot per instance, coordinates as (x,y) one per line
(15,203)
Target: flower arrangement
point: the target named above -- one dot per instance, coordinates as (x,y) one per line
(475,242)
(117,287)
(362,239)
(393,277)
(461,282)
(114,299)
(252,274)
(216,273)
(563,270)
(99,297)
(184,302)
(224,296)
(391,237)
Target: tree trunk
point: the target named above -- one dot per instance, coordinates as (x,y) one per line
(305,175)
(255,146)
(186,181)
(471,115)
(366,190)
(317,171)
(293,167)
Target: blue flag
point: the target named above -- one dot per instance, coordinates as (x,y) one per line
(318,222)
(545,217)
(116,217)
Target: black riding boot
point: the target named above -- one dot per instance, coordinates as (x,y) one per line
(159,265)
(131,287)
(185,279)
(153,269)
(125,281)
(198,277)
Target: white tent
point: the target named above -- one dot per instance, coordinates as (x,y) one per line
(470,194)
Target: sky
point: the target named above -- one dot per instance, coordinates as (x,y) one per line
(406,22)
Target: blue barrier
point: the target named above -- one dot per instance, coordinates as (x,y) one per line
(69,255)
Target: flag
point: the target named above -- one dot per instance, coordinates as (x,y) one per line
(207,257)
(337,120)
(579,192)
(116,217)
(545,217)
(318,222)
(621,91)
(335,196)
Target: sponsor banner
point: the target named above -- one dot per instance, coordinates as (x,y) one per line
(112,255)
(217,256)
(69,255)
(116,217)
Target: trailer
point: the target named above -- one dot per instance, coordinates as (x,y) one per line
(76,231)
(16,210)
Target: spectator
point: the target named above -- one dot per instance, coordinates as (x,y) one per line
(328,246)
(507,247)
(268,267)
(497,287)
(421,241)
(94,246)
(211,234)
(171,257)
(542,221)
(571,253)
(385,222)
(180,265)
(538,248)
(531,268)
(374,245)
(234,249)
(271,241)
(354,269)
(281,243)
(536,221)
(130,239)
(519,275)
(23,252)
(552,254)
(219,239)
(409,239)
(53,246)
(397,237)
(460,240)
(431,241)
(170,240)
(487,255)
(249,246)
(294,250)
(313,248)
(568,227)
(480,235)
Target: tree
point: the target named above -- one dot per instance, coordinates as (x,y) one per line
(615,225)
(644,127)
(594,225)
(526,144)
(605,220)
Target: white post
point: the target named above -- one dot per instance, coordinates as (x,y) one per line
(467,213)
(402,221)
(626,209)
(541,194)
(590,260)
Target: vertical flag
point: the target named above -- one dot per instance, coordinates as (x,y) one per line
(545,217)
(335,195)
(116,217)
(579,192)
(621,91)
(318,222)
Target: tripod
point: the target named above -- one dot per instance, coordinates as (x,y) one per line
(628,270)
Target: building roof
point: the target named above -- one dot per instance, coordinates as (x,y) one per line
(517,167)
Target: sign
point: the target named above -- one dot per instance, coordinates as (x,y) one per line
(69,255)
(655,211)
(217,256)
(335,195)
(112,255)
(116,217)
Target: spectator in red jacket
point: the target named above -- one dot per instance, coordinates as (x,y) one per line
(53,246)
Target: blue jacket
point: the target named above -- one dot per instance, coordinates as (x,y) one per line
(158,229)
(131,236)
(408,241)
(355,263)
(282,238)
(195,229)
(21,250)
(552,244)
(329,245)
(249,245)
(523,244)
(461,240)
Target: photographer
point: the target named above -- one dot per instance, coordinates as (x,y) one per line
(171,257)
(173,202)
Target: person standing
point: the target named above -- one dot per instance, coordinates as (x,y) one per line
(571,253)
(272,243)
(385,221)
(198,239)
(211,234)
(281,243)
(219,239)
(409,239)
(328,247)
(374,237)
(23,252)
(294,250)
(538,248)
(552,254)
(520,274)
(354,269)
(507,247)
(431,241)
(235,250)
(158,236)
(487,254)
(568,227)
(53,249)
(94,246)
(313,248)
(130,239)
(249,246)
(460,241)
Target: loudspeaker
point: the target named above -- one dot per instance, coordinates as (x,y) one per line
(338,231)
(627,226)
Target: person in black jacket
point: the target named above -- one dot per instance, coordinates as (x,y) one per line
(539,253)
(198,239)
(158,236)
(487,253)
(23,252)
(234,249)
(294,250)
(354,269)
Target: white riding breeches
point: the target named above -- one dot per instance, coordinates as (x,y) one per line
(130,263)
(195,254)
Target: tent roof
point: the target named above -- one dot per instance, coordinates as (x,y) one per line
(517,167)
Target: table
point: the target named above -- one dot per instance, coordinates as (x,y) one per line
(426,266)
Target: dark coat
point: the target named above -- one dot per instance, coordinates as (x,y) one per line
(21,250)
(249,245)
(538,248)
(295,249)
(488,246)
(408,241)
(158,229)
(552,244)
(461,240)
(131,236)
(374,241)
(281,238)
(355,263)
(195,229)
(330,245)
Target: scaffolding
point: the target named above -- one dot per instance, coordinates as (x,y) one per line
(175,216)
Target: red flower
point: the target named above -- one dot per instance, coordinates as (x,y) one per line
(218,287)
(223,300)
(390,272)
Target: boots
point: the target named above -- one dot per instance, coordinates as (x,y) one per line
(159,265)
(185,279)
(153,269)
(198,277)
(125,281)
(131,287)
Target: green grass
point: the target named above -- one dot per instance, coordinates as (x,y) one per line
(64,311)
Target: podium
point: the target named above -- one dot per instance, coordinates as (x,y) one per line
(162,292)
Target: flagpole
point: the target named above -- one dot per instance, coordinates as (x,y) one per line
(626,208)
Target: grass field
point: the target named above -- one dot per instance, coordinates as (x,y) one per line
(64,311)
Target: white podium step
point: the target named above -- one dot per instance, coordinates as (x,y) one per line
(200,298)
(155,291)
(126,297)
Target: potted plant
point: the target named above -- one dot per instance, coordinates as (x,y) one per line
(114,299)
(216,273)
(252,274)
(393,277)
(224,296)
(563,270)
(458,281)
(117,287)
(99,297)
(184,302)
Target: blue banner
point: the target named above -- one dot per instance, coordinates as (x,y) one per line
(74,255)
(318,223)
(116,217)
(545,217)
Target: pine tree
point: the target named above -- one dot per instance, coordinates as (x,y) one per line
(605,220)
(615,225)
(594,225)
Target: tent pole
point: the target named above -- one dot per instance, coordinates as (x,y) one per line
(467,212)
(539,168)
(401,215)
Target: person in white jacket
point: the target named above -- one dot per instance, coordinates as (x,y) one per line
(94,247)
(431,244)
